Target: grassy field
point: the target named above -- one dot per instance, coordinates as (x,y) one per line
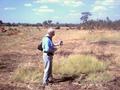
(90,56)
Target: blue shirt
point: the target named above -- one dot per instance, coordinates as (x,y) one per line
(47,44)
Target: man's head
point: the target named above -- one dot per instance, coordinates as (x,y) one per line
(51,32)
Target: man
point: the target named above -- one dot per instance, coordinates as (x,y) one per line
(48,52)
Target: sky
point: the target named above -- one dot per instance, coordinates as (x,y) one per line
(62,11)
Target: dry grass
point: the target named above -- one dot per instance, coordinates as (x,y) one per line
(87,45)
(18,41)
(104,45)
(77,64)
(74,65)
(89,36)
(28,73)
(98,77)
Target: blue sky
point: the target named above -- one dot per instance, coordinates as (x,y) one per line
(63,11)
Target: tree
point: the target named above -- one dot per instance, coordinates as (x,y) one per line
(108,19)
(85,16)
(57,25)
(1,22)
(45,23)
(49,22)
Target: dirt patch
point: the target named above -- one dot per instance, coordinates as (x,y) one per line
(106,42)
(70,85)
(9,87)
(114,84)
(8,62)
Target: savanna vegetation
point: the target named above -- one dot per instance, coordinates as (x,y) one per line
(87,60)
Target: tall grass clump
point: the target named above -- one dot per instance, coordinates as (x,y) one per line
(77,64)
(27,74)
(99,77)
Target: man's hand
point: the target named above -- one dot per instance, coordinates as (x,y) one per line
(55,49)
(61,43)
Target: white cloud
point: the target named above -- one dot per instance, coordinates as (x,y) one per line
(37,1)
(44,9)
(54,1)
(9,8)
(27,4)
(102,6)
(47,1)
(99,9)
(44,6)
(73,3)
(107,3)
(111,2)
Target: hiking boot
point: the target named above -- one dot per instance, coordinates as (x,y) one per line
(51,80)
(45,84)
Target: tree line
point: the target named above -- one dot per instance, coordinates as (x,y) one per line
(85,23)
(98,24)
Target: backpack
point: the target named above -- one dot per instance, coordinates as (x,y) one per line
(40,47)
